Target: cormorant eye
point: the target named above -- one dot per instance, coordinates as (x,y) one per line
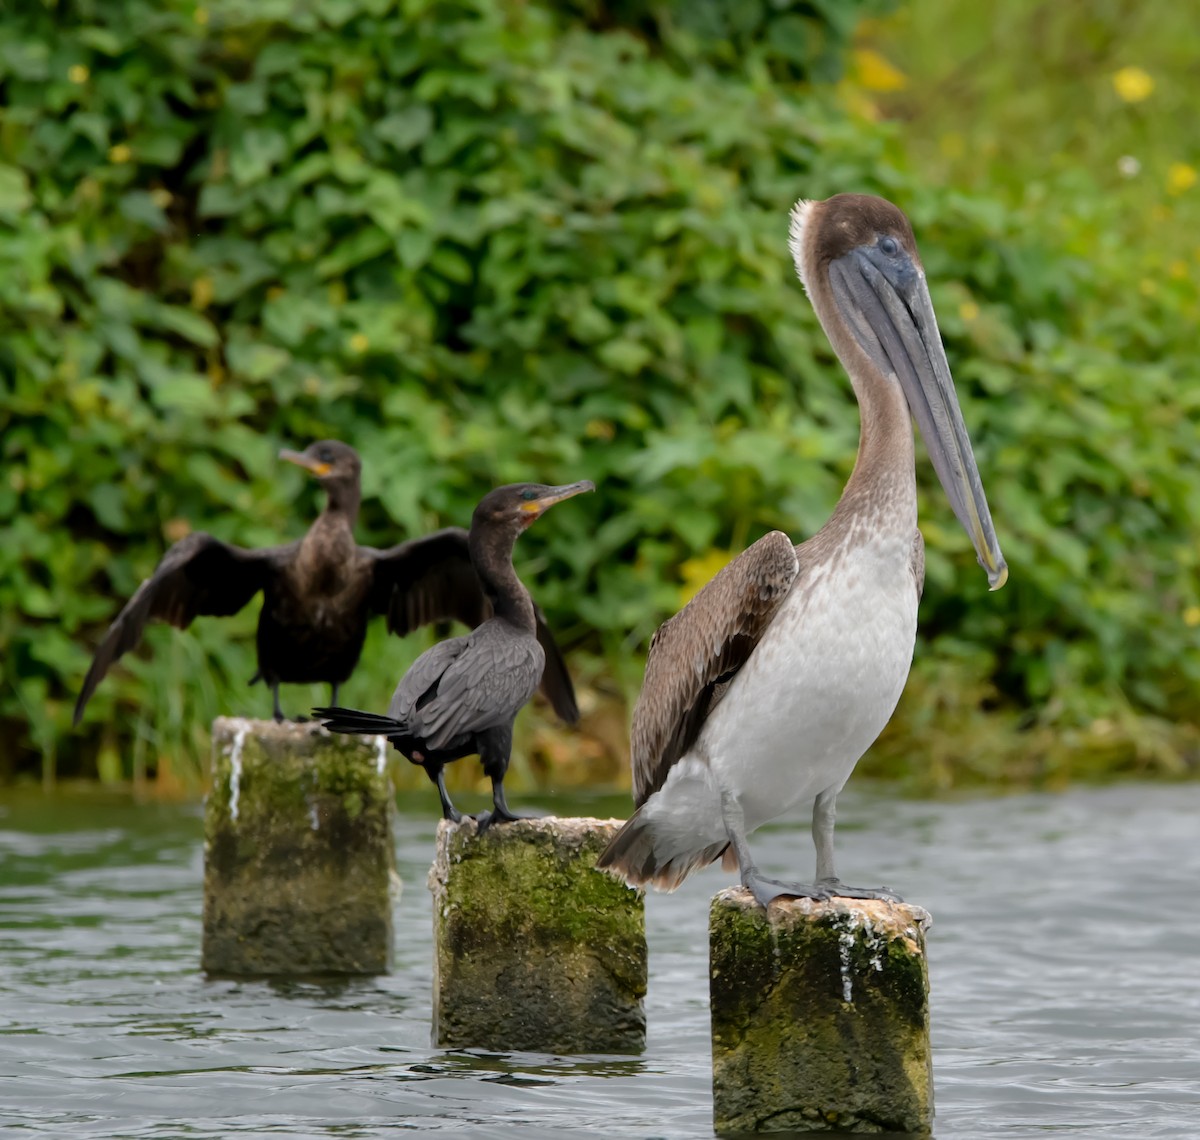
(326,455)
(529,496)
(889,246)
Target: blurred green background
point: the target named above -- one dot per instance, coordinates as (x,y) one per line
(485,241)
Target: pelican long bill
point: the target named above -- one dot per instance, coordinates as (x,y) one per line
(886,302)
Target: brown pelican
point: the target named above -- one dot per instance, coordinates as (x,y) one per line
(460,698)
(763,692)
(318,592)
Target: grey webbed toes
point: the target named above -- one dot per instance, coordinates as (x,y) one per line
(835,888)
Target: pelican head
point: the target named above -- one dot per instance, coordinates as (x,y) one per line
(858,260)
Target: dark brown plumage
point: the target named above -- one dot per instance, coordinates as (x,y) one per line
(319,592)
(460,697)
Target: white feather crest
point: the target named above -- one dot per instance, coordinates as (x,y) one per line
(801,212)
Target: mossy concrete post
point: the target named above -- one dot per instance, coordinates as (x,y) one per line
(820,1016)
(299,854)
(534,949)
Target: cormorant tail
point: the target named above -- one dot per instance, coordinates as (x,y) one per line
(358,723)
(632,856)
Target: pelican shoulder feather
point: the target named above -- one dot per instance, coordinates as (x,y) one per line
(695,655)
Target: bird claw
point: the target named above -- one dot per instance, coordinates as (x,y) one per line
(838,890)
(486,819)
(765,891)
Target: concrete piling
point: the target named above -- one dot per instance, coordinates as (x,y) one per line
(820,1016)
(534,949)
(299,854)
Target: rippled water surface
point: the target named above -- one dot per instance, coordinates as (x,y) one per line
(1065,964)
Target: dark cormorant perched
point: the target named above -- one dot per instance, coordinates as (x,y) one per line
(460,697)
(318,592)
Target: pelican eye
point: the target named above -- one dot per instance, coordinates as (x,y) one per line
(889,246)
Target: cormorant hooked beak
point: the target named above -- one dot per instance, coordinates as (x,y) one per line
(886,303)
(300,459)
(537,507)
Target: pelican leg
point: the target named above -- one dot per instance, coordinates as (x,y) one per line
(824,817)
(762,888)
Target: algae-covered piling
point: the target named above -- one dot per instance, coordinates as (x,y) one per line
(820,1016)
(299,859)
(534,949)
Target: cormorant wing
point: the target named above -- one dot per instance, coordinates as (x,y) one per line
(480,681)
(198,575)
(431,579)
(694,655)
(428,579)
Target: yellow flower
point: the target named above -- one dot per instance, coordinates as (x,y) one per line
(202,293)
(359,343)
(1191,616)
(699,571)
(1180,177)
(78,74)
(875,73)
(969,311)
(119,153)
(1133,84)
(1178,270)
(952,145)
(177,528)
(161,197)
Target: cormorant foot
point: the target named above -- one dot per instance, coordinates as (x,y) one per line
(486,819)
(836,889)
(765,890)
(300,719)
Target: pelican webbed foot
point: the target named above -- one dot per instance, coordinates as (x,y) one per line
(765,890)
(836,889)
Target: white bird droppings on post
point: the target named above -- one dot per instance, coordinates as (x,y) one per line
(235,768)
(381,747)
(845,945)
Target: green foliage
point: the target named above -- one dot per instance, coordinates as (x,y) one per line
(486,241)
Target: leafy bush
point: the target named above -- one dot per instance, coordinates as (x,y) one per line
(484,241)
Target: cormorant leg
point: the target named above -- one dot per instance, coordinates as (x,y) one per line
(824,817)
(494,753)
(333,693)
(275,697)
(501,812)
(762,888)
(437,773)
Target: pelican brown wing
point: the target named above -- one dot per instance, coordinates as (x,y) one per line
(695,655)
(431,579)
(199,575)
